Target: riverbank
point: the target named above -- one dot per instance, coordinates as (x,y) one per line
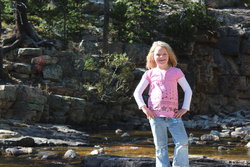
(46,145)
(110,160)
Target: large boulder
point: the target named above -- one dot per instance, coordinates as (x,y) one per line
(26,54)
(22,68)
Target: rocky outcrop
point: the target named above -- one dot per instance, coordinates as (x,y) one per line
(22,102)
(225,3)
(30,104)
(220,121)
(33,104)
(218,71)
(232,17)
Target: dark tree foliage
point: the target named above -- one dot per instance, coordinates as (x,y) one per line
(59,19)
(135,21)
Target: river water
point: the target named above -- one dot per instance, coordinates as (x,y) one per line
(139,143)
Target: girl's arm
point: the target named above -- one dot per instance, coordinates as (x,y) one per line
(187,93)
(138,92)
(187,97)
(139,99)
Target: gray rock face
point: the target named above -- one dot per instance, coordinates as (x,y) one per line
(67,109)
(34,105)
(53,73)
(229,46)
(7,97)
(29,104)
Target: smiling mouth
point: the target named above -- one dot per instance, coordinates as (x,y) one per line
(162,61)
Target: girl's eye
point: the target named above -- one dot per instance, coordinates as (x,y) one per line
(161,54)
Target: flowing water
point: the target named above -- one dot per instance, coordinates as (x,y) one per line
(139,143)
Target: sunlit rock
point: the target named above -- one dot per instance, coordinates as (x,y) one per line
(209,137)
(98,151)
(125,135)
(118,131)
(70,154)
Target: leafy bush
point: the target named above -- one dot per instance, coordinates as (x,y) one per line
(6,6)
(116,75)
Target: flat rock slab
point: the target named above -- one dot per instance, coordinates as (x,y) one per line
(18,133)
(117,161)
(120,161)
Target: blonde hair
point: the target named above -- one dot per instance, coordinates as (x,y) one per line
(150,57)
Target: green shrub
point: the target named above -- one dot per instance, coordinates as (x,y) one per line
(90,64)
(116,75)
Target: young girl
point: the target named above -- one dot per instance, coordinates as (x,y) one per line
(162,109)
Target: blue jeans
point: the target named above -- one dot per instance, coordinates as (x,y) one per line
(159,126)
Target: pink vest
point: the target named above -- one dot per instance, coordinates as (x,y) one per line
(163,94)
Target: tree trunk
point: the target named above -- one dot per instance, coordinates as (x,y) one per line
(24,32)
(106,27)
(1,55)
(65,33)
(1,8)
(2,78)
(22,23)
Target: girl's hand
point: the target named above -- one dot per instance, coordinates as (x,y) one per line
(149,114)
(180,113)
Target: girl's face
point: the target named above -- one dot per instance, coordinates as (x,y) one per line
(161,57)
